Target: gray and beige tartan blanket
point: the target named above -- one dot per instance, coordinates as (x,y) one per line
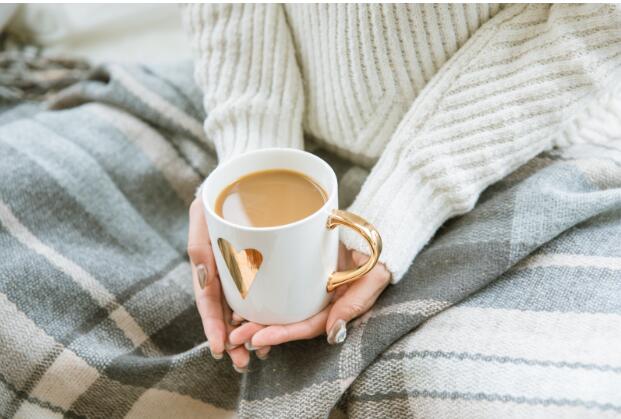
(513,310)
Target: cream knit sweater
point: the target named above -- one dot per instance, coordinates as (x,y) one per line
(440,100)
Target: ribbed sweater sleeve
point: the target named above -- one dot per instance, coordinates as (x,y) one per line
(246,67)
(498,102)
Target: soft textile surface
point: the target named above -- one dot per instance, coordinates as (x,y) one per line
(97,311)
(492,94)
(128,33)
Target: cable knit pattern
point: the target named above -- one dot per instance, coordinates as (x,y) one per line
(443,100)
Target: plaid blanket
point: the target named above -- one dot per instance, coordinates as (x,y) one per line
(514,310)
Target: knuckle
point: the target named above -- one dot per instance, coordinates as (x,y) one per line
(285,334)
(198,251)
(192,253)
(306,330)
(202,306)
(379,279)
(201,298)
(191,249)
(356,308)
(194,206)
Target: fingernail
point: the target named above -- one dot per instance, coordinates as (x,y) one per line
(262,355)
(240,370)
(228,346)
(201,272)
(249,346)
(215,355)
(337,333)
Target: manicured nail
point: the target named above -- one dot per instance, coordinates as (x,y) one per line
(201,272)
(337,333)
(262,355)
(240,370)
(215,355)
(228,346)
(249,346)
(235,322)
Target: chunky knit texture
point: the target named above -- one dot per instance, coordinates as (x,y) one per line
(442,100)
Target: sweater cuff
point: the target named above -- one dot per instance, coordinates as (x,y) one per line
(247,131)
(405,210)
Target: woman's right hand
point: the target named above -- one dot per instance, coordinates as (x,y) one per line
(212,307)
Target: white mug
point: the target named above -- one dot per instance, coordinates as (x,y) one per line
(282,274)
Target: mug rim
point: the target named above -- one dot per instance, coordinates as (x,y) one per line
(294,224)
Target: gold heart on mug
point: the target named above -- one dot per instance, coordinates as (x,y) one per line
(243,265)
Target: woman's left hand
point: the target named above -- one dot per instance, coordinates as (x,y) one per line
(350,301)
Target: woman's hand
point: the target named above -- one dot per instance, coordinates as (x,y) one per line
(350,301)
(219,323)
(213,309)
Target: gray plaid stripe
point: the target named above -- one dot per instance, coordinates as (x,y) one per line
(18,332)
(174,82)
(164,110)
(119,399)
(101,199)
(446,408)
(131,330)
(181,177)
(30,404)
(570,289)
(140,183)
(500,359)
(505,398)
(45,280)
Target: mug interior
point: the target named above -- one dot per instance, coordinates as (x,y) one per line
(267,159)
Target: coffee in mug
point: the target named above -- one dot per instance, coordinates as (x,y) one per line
(272,216)
(270,198)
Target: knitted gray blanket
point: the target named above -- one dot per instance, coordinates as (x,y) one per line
(513,310)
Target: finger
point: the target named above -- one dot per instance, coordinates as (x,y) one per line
(199,246)
(338,293)
(227,312)
(207,289)
(240,358)
(344,258)
(357,300)
(239,354)
(242,334)
(262,353)
(277,334)
(209,307)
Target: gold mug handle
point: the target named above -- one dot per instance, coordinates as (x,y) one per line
(370,234)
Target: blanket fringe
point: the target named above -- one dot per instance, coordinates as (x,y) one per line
(28,72)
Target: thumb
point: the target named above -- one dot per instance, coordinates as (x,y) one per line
(357,300)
